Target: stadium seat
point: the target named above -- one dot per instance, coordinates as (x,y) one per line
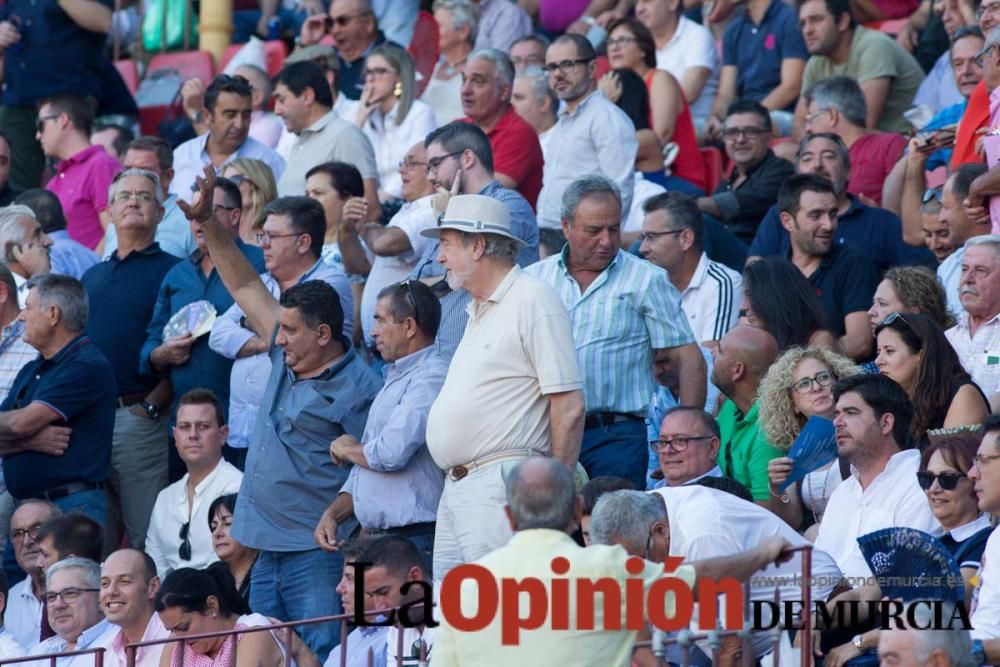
(889,26)
(129,70)
(275,52)
(189,64)
(713,166)
(424,48)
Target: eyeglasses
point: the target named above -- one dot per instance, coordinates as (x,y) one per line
(564,66)
(946,480)
(413,300)
(748,132)
(185,549)
(376,71)
(140,196)
(343,19)
(517,61)
(407,163)
(981,56)
(678,443)
(264,238)
(435,162)
(620,41)
(40,125)
(19,534)
(822,379)
(816,114)
(931,193)
(68,595)
(991,8)
(652,236)
(981,459)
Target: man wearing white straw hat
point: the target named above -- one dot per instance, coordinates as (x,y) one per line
(513,388)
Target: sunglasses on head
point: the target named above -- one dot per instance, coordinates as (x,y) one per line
(946,480)
(892,317)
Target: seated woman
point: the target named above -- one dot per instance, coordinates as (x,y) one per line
(332,184)
(240,559)
(626,89)
(913,351)
(457,22)
(631,46)
(799,385)
(780,300)
(389,115)
(192,602)
(258,189)
(910,289)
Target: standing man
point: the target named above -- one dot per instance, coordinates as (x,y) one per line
(56,423)
(128,588)
(976,336)
(318,390)
(592,134)
(83,172)
(302,98)
(66,256)
(24,245)
(673,238)
(122,292)
(487,83)
(624,311)
(394,485)
(227,113)
(844,279)
(527,391)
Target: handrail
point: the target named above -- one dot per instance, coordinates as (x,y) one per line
(98,654)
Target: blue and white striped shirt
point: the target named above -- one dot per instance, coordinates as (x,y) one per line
(630,310)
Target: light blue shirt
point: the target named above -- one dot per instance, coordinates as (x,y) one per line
(191,157)
(173,233)
(359,642)
(404,484)
(70,258)
(630,310)
(96,636)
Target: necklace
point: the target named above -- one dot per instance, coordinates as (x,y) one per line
(450,70)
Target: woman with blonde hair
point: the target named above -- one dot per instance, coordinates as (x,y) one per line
(389,115)
(258,189)
(799,385)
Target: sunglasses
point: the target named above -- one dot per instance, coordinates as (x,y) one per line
(343,19)
(932,193)
(413,300)
(185,549)
(892,317)
(946,480)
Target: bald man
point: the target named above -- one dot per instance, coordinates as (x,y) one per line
(741,360)
(128,588)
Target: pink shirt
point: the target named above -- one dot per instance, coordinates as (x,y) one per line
(81,183)
(991,144)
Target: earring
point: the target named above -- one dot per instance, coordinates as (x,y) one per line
(398,90)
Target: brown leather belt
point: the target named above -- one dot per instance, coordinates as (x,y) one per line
(461,471)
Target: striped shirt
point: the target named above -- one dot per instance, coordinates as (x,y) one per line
(629,311)
(712,300)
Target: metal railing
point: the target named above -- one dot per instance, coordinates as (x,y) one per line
(685,639)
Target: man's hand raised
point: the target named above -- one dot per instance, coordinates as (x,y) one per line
(203,210)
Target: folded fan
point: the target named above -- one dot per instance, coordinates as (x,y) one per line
(196,318)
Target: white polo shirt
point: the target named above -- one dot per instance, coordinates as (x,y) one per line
(893,499)
(692,46)
(712,300)
(23,618)
(986,599)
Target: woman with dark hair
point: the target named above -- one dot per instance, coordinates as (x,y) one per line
(780,300)
(631,46)
(192,602)
(913,351)
(238,558)
(332,184)
(633,98)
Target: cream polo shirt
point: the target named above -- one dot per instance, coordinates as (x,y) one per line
(330,139)
(517,349)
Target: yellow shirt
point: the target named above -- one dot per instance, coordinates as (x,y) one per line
(529,554)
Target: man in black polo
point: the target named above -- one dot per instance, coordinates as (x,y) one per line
(845,280)
(57,420)
(123,291)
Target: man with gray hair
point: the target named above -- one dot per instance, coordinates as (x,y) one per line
(524,395)
(24,245)
(57,420)
(976,337)
(837,104)
(922,647)
(592,134)
(487,81)
(72,598)
(123,294)
(624,311)
(536,103)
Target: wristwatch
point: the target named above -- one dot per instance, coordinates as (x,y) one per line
(151,410)
(859,642)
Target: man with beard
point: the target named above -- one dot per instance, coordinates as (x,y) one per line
(844,279)
(875,232)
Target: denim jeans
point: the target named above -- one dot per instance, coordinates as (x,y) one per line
(617,450)
(295,585)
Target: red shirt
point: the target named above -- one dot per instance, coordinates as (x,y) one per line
(977,115)
(872,158)
(517,154)
(81,184)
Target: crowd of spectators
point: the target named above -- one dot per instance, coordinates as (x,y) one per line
(583,287)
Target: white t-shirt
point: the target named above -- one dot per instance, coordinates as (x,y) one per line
(642,191)
(692,46)
(986,601)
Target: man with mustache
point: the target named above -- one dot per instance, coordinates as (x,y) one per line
(976,337)
(844,279)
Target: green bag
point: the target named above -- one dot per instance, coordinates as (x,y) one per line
(169,25)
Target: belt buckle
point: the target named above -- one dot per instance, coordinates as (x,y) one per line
(458,472)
